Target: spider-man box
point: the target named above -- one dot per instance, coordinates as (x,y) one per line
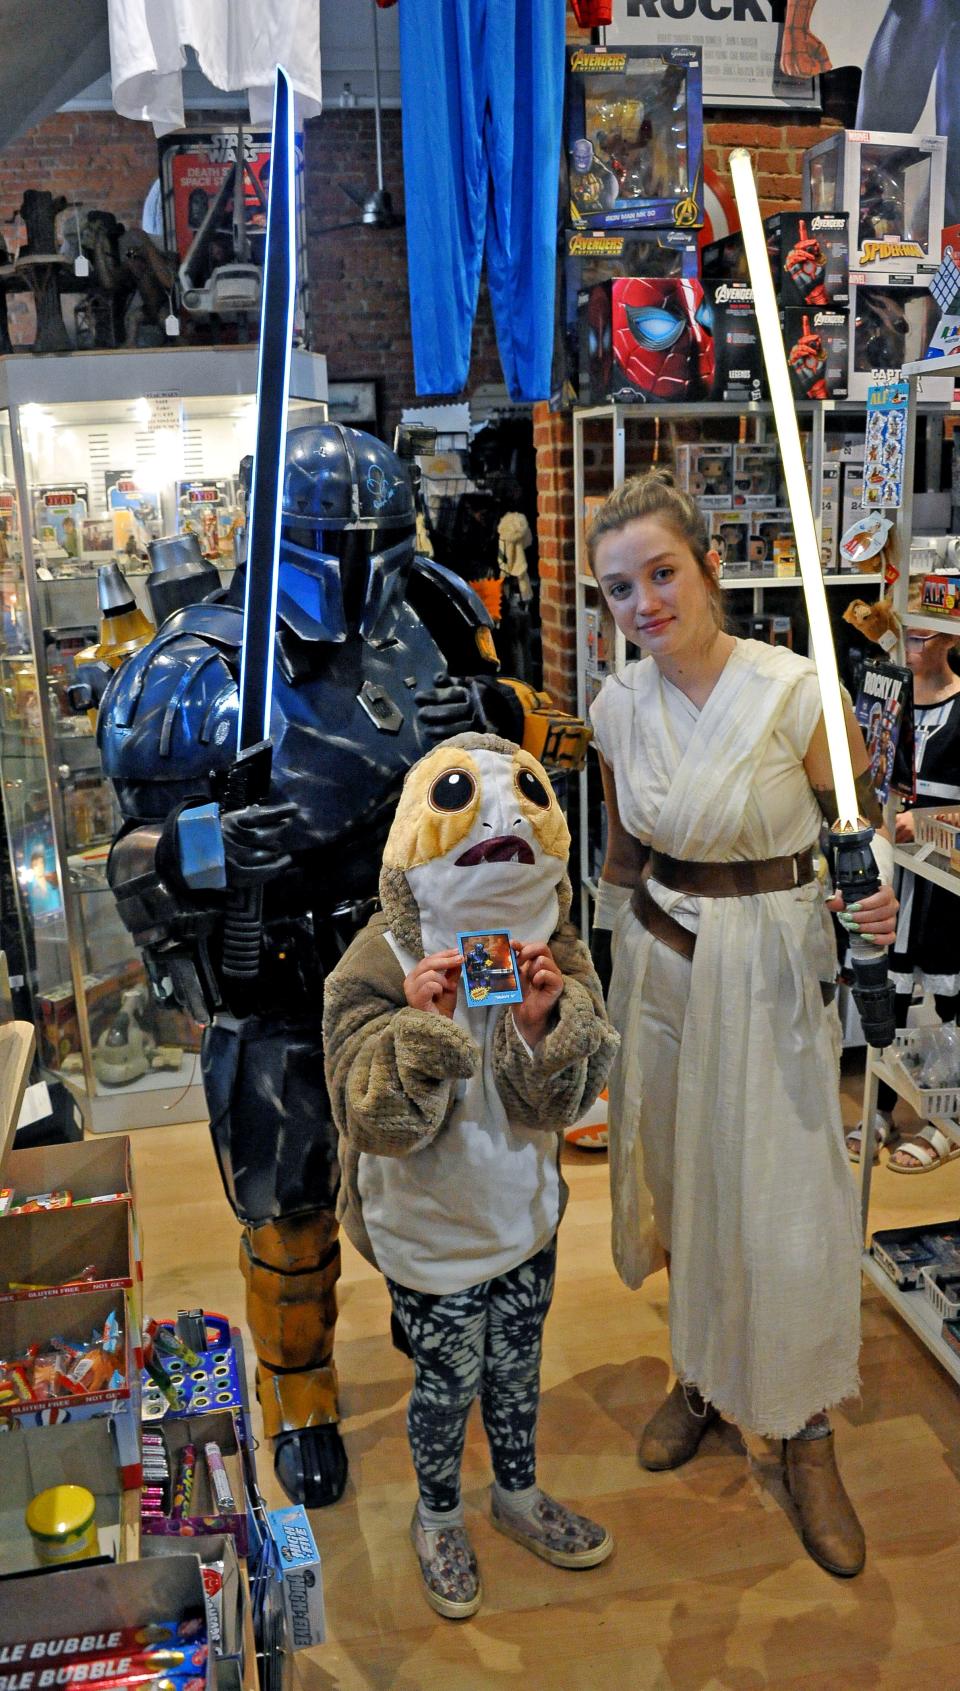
(634,126)
(645,339)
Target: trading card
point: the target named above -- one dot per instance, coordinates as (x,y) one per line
(489,969)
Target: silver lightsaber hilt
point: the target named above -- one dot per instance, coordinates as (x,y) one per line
(856,877)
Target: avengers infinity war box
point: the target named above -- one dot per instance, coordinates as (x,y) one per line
(634,125)
(808,255)
(644,339)
(817,343)
(601,255)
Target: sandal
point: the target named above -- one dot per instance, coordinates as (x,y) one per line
(883,1132)
(930,1149)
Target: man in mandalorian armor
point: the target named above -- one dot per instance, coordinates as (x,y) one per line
(379,653)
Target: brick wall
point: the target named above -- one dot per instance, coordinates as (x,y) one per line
(358,277)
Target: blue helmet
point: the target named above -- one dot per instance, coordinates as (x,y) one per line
(347,530)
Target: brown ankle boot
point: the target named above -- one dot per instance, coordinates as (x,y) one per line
(831,1533)
(674,1433)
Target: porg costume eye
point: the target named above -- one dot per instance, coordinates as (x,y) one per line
(450,1129)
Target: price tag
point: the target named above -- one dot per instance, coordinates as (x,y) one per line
(172,325)
(81,266)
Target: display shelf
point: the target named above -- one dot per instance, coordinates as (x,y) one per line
(932,624)
(17,1044)
(917,858)
(918,1313)
(127,433)
(731,583)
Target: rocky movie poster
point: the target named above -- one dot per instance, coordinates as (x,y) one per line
(884,711)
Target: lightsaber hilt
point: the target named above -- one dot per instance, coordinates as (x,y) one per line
(247,782)
(856,877)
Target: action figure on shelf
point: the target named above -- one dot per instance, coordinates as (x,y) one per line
(379,654)
(880,331)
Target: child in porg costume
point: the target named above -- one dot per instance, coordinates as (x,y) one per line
(451,1121)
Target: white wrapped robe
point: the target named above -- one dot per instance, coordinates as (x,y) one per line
(759,1211)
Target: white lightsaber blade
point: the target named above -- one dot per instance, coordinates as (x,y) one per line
(798,492)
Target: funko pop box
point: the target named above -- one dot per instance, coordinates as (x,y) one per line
(808,252)
(634,127)
(645,339)
(891,187)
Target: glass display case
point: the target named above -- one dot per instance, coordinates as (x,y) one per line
(99,454)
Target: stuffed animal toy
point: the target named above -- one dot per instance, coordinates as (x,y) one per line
(878,622)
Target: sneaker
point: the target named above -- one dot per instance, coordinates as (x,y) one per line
(554,1533)
(451,1578)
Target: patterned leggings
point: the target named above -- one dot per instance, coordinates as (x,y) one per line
(487,1338)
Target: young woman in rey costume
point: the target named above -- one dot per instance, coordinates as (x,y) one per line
(726,1143)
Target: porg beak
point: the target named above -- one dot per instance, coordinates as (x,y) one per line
(504,848)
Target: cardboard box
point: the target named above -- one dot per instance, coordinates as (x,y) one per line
(225,1619)
(941,597)
(43,1254)
(602,255)
(634,130)
(59,1029)
(83,1607)
(891,325)
(830,517)
(705,471)
(93,1171)
(773,547)
(891,186)
(204,1517)
(75,1316)
(739,372)
(645,340)
(730,536)
(809,258)
(757,477)
(71,1453)
(297,1560)
(817,342)
(852,507)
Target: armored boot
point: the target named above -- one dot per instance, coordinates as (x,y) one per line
(829,1527)
(674,1432)
(291,1268)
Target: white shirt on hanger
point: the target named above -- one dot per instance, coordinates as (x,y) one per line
(238,44)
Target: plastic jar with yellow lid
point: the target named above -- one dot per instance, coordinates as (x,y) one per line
(62,1524)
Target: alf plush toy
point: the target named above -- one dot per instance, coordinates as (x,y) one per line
(877,622)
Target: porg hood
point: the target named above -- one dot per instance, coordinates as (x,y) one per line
(478,842)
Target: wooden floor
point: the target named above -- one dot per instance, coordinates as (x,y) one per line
(709,1588)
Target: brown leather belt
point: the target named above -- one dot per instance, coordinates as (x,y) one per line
(771,874)
(732,880)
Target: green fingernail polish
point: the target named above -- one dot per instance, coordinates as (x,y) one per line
(852,907)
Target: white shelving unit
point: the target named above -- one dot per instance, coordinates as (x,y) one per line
(913,1307)
(587,596)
